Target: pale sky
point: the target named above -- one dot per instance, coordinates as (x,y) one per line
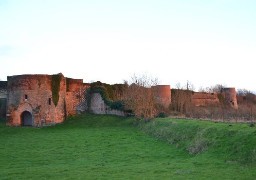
(206,42)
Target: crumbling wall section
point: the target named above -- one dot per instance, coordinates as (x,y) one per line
(75,95)
(98,106)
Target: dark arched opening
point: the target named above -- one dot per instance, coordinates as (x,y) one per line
(26,119)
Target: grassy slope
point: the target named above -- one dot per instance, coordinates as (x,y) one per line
(104,147)
(234,143)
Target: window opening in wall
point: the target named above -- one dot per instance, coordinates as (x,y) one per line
(26,97)
(49,101)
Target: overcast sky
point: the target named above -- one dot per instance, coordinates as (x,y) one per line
(207,42)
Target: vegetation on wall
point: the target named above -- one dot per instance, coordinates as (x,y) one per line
(98,87)
(67,84)
(56,78)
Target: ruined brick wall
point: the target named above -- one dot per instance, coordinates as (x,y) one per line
(204,99)
(162,93)
(33,94)
(230,97)
(75,96)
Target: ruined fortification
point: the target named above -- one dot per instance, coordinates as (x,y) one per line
(39,100)
(31,100)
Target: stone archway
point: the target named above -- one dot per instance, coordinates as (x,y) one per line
(26,118)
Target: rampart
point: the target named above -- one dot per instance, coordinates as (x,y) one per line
(204,99)
(38,100)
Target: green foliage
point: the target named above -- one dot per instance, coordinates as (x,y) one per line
(56,78)
(118,105)
(108,147)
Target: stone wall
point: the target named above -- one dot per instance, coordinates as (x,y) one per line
(33,94)
(204,99)
(98,106)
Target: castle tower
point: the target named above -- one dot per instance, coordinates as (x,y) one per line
(162,94)
(230,97)
(30,100)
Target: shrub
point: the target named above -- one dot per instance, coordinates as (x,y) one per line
(198,146)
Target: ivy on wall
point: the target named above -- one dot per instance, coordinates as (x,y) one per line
(56,78)
(118,105)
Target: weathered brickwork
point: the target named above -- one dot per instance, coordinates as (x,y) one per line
(75,99)
(29,100)
(204,99)
(162,93)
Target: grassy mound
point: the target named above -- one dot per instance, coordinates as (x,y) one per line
(232,142)
(107,147)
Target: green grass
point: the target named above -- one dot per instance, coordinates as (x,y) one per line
(109,147)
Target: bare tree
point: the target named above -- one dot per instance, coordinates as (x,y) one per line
(138,96)
(181,97)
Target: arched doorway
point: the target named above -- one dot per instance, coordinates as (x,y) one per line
(26,119)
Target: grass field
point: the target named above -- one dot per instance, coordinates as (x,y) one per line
(109,147)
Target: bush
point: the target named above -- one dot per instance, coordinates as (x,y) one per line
(198,146)
(162,115)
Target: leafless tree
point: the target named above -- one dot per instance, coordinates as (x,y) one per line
(138,96)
